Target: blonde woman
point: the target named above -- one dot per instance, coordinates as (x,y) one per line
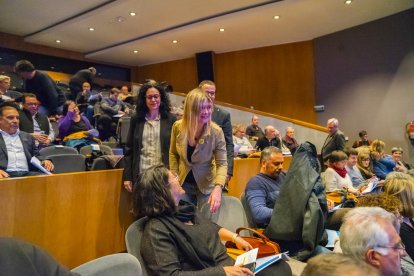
(382,164)
(198,152)
(401,185)
(241,142)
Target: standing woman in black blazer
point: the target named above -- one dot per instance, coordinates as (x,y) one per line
(149,134)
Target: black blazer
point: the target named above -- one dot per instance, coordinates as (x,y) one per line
(333,142)
(222,118)
(134,145)
(29,150)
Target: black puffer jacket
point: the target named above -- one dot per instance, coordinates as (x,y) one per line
(299,216)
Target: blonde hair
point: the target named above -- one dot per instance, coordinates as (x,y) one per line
(4,77)
(194,101)
(237,127)
(401,185)
(377,148)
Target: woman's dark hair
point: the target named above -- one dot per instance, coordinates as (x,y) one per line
(151,194)
(337,155)
(66,107)
(362,133)
(142,109)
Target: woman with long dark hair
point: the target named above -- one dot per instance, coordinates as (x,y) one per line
(177,239)
(149,134)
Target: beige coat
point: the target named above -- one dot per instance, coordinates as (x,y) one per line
(209,161)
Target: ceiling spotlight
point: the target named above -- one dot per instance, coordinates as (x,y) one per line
(175,41)
(58,41)
(120,19)
(132,14)
(348,2)
(221,30)
(91,29)
(135,51)
(276,17)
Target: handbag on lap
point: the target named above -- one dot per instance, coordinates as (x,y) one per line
(265,245)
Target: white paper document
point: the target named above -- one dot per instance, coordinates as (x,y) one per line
(36,162)
(261,263)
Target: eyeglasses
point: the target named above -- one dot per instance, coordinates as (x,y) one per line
(155,97)
(399,247)
(366,159)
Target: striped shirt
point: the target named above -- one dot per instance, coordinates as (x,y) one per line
(151,146)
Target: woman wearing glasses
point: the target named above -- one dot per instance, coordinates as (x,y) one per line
(198,152)
(149,133)
(364,165)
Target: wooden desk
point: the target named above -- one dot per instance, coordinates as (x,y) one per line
(244,169)
(76,217)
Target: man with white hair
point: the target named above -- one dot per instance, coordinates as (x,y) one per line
(371,234)
(334,141)
(271,138)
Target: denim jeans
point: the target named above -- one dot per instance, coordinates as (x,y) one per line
(193,195)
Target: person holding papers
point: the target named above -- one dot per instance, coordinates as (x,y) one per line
(177,239)
(17,147)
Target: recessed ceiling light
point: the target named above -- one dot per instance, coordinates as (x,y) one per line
(175,41)
(91,29)
(348,2)
(58,41)
(221,30)
(276,17)
(135,51)
(120,19)
(132,14)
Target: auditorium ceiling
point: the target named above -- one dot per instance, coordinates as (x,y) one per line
(108,31)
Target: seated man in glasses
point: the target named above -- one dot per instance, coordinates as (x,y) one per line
(35,123)
(371,234)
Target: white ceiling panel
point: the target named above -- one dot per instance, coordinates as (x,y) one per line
(194,23)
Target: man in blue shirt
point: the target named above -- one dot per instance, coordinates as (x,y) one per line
(263,189)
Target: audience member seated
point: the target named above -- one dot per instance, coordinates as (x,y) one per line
(242,146)
(21,258)
(334,141)
(18,147)
(34,123)
(397,155)
(363,135)
(86,101)
(299,215)
(75,129)
(271,138)
(254,131)
(124,93)
(289,140)
(382,164)
(176,238)
(370,234)
(335,176)
(352,170)
(112,110)
(5,95)
(76,81)
(42,85)
(401,185)
(331,264)
(364,165)
(263,189)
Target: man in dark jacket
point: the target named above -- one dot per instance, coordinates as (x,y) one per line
(35,123)
(222,118)
(334,141)
(77,80)
(42,85)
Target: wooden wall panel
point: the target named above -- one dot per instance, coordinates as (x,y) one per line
(181,74)
(76,217)
(277,79)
